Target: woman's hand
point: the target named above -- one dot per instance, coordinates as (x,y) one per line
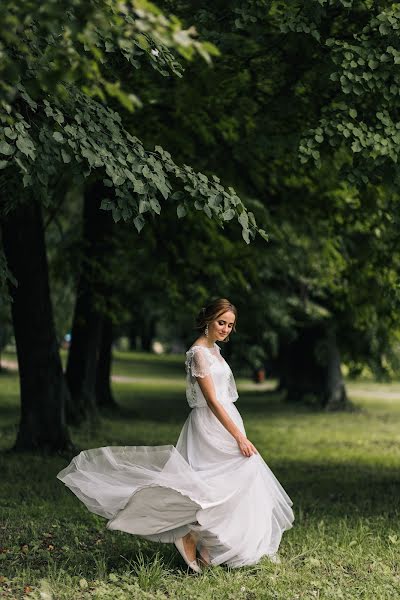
(245,446)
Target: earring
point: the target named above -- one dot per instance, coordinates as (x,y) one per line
(206,331)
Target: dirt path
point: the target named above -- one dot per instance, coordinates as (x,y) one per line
(9,364)
(354,390)
(245,386)
(357,392)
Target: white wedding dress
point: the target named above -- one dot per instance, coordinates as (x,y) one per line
(234,504)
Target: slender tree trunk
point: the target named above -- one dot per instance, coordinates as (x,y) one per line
(147,334)
(88,314)
(43,388)
(82,358)
(309,368)
(105,398)
(133,336)
(335,397)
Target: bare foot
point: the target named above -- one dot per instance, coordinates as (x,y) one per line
(190,546)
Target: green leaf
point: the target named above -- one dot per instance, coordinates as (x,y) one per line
(116,213)
(118,179)
(139,187)
(139,223)
(180,211)
(228,214)
(162,186)
(26,146)
(65,156)
(246,236)
(10,133)
(58,136)
(146,172)
(155,205)
(106,204)
(6,148)
(207,210)
(244,219)
(143,206)
(214,201)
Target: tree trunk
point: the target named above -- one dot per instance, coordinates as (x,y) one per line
(309,368)
(147,334)
(335,396)
(43,388)
(88,314)
(133,336)
(105,398)
(82,359)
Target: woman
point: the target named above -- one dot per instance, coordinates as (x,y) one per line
(212,492)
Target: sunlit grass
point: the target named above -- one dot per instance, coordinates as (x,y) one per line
(341,470)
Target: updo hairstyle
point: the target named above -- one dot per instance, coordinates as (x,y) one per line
(212,311)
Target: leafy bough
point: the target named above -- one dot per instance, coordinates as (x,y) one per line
(89,137)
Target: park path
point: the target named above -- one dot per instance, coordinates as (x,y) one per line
(355,390)
(246,386)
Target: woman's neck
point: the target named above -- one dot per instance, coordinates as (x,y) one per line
(209,343)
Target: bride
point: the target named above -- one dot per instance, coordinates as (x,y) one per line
(211,493)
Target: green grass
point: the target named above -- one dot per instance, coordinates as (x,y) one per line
(341,470)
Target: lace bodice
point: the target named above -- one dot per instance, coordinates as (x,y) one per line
(202,361)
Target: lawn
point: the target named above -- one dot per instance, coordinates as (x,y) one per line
(342,471)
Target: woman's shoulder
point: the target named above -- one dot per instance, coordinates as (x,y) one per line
(201,348)
(196,352)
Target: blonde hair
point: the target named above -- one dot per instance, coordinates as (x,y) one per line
(212,311)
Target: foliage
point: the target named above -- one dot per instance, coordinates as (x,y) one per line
(45,46)
(90,136)
(54,129)
(332,226)
(359,110)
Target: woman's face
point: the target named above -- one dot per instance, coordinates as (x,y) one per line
(221,327)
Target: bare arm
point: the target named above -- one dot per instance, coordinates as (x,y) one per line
(207,387)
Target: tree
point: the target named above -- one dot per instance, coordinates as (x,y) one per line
(53,127)
(44,392)
(82,371)
(278,93)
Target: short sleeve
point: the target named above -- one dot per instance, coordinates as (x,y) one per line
(198,363)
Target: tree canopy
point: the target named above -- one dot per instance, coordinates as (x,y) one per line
(56,123)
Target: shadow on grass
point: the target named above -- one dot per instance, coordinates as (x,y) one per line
(170,406)
(324,488)
(319,488)
(152,365)
(323,485)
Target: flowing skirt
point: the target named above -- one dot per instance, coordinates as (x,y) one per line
(233,504)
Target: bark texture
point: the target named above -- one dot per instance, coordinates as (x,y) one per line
(104,395)
(43,388)
(147,333)
(87,328)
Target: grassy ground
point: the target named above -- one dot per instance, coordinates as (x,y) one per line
(341,470)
